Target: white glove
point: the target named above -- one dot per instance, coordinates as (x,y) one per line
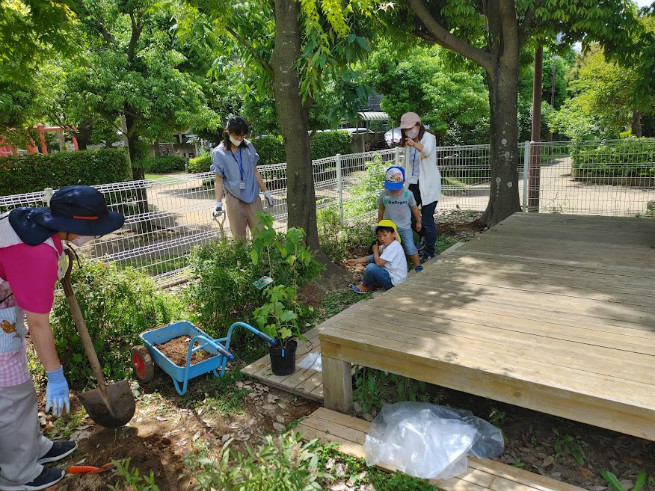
(219,206)
(269,198)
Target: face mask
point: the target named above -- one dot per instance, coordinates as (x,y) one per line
(80,240)
(234,142)
(412,133)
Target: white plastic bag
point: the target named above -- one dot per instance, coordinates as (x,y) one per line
(429,441)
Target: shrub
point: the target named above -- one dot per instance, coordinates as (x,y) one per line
(200,164)
(329,143)
(225,273)
(270,150)
(117,305)
(632,157)
(165,164)
(283,462)
(29,173)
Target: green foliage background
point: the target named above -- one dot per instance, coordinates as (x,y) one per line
(29,173)
(164,164)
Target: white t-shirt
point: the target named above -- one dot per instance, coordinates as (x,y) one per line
(396,264)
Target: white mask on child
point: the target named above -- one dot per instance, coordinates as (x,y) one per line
(412,133)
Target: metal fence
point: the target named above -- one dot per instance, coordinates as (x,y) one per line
(168,216)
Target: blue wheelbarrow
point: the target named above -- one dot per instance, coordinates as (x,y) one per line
(145,357)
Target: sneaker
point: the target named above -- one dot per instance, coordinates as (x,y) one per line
(421,244)
(58,451)
(418,269)
(425,258)
(361,289)
(47,478)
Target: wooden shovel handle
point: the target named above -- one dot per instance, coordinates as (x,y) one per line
(80,325)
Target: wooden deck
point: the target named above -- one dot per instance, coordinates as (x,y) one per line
(555,313)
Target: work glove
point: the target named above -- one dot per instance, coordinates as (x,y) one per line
(56,393)
(219,207)
(269,198)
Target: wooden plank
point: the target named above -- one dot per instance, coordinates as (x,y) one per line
(350,434)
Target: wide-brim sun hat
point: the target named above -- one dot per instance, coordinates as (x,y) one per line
(409,120)
(387,223)
(80,210)
(394,178)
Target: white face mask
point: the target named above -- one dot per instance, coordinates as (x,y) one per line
(235,142)
(412,133)
(80,240)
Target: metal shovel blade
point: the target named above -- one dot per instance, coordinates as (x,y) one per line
(112,411)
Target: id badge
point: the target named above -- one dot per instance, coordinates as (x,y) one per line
(242,185)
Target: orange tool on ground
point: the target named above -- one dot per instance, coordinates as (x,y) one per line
(89,469)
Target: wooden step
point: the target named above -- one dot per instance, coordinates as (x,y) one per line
(350,434)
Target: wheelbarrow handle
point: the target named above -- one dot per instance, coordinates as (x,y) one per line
(267,338)
(224,352)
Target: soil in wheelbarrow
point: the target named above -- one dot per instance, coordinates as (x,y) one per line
(176,350)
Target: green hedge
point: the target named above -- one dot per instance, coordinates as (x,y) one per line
(270,150)
(631,157)
(329,143)
(200,164)
(29,173)
(164,164)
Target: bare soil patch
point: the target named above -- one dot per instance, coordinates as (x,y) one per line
(177,350)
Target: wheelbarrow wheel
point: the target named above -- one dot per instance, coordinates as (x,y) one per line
(144,367)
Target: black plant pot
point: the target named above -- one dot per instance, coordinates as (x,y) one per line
(283,357)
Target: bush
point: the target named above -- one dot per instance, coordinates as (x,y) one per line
(165,164)
(632,157)
(225,272)
(29,173)
(329,143)
(200,164)
(270,150)
(117,305)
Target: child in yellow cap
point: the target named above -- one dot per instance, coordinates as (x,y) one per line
(387,266)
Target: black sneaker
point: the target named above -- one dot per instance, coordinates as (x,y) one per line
(47,478)
(425,258)
(58,451)
(421,244)
(418,269)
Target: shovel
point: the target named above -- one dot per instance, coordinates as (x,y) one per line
(109,405)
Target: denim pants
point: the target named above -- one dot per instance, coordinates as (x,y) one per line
(428,227)
(375,275)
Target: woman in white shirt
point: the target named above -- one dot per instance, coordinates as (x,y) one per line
(422,175)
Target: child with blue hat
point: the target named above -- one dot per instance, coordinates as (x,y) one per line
(398,204)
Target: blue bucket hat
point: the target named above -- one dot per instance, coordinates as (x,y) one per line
(80,210)
(394,178)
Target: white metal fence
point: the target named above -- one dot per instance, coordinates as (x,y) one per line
(166,217)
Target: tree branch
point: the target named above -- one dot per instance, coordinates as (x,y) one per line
(266,65)
(448,40)
(137,27)
(528,21)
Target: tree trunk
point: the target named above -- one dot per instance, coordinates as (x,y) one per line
(502,79)
(636,123)
(293,117)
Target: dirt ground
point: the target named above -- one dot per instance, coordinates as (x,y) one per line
(166,425)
